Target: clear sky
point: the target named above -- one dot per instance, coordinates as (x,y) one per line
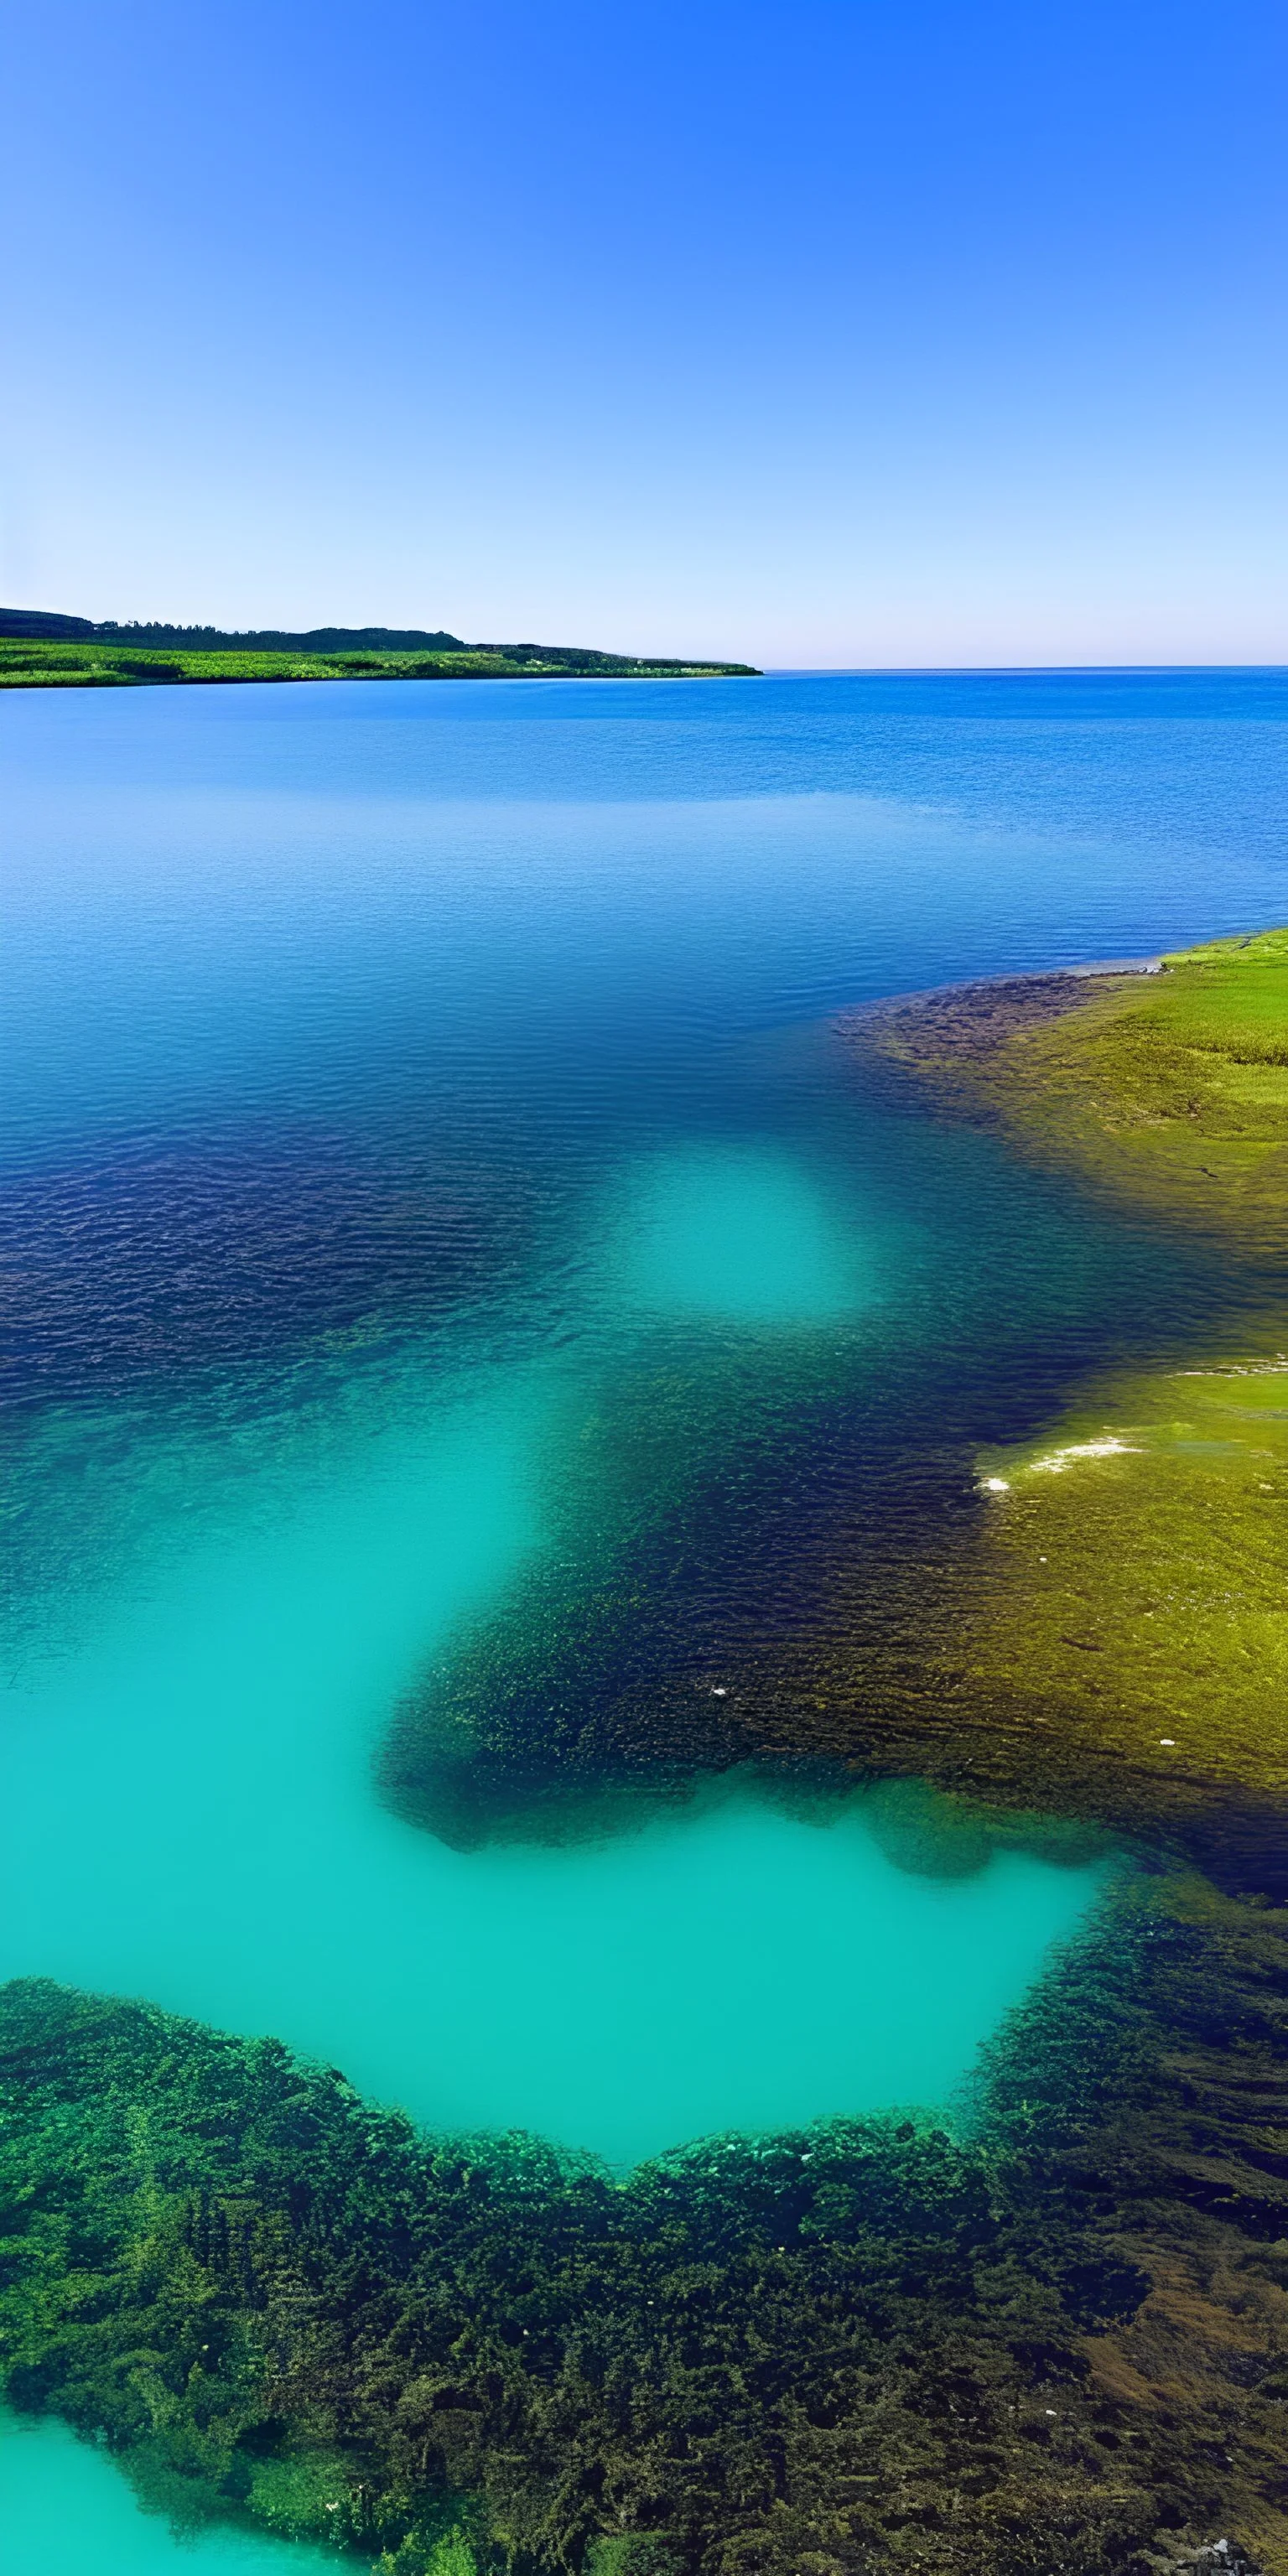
(821,332)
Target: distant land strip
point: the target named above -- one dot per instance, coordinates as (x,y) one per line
(39,649)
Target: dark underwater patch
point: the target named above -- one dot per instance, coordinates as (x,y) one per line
(239,1250)
(760,1548)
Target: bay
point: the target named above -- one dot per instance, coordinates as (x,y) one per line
(398,1078)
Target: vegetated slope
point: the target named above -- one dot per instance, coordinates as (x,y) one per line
(40,649)
(50,626)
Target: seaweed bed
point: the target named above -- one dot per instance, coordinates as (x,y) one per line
(1089,1619)
(1055,2338)
(1058,2341)
(1169,1089)
(1113,1637)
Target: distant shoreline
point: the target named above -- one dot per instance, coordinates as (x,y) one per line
(42,650)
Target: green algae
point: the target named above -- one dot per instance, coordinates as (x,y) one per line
(1131,1598)
(1107,1644)
(603,1682)
(1168,1089)
(1058,2337)
(1111,1640)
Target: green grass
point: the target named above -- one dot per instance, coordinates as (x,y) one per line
(1170,1090)
(43,663)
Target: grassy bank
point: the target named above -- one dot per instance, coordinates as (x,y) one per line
(38,662)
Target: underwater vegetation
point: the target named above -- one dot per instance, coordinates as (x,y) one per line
(1111,1637)
(713,1485)
(1169,1089)
(1059,2338)
(810,1556)
(1051,2336)
(595,1693)
(1103,1634)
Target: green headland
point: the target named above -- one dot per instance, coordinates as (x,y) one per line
(43,650)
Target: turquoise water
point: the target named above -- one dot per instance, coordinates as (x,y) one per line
(65,2508)
(187,1810)
(443,1236)
(187,1815)
(737,1235)
(429,1174)
(436,1198)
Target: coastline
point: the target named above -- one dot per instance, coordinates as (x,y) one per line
(1162,1083)
(41,663)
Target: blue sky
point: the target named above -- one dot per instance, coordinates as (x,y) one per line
(896,332)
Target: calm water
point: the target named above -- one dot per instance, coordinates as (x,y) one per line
(433,1192)
(435,1207)
(64,2508)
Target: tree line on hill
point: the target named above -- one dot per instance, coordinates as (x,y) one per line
(49,626)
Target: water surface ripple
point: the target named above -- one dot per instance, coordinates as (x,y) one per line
(457,1283)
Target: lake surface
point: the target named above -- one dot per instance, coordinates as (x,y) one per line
(435,1199)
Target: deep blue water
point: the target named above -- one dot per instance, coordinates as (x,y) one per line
(434,1191)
